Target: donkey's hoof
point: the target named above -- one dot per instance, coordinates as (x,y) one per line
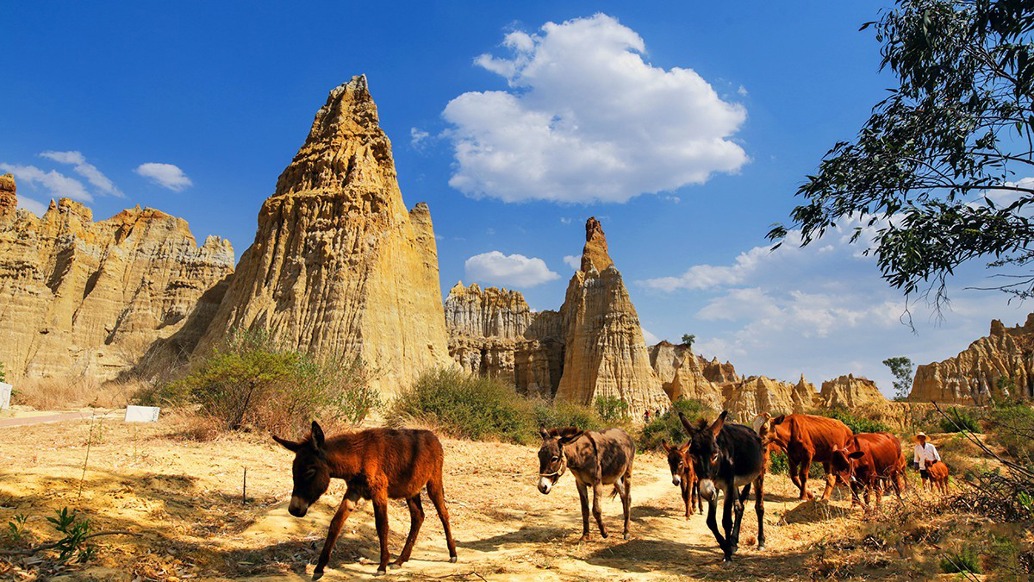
(395,565)
(317,574)
(603,534)
(584,538)
(627,536)
(453,559)
(379,572)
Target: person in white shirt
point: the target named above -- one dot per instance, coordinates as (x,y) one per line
(924,455)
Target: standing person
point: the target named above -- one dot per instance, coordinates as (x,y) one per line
(646,416)
(924,455)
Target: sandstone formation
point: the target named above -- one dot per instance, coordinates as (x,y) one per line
(493,332)
(81,298)
(338,265)
(1000,365)
(605,354)
(747,398)
(855,394)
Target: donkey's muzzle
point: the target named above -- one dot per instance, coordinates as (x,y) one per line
(545,485)
(298,507)
(676,480)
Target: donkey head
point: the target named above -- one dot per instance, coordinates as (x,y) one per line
(552,460)
(676,460)
(311,473)
(705,452)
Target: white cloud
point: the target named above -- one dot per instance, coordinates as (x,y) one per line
(418,137)
(53,182)
(516,270)
(165,175)
(573,261)
(34,206)
(587,119)
(85,169)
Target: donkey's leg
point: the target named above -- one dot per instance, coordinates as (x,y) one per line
(696,494)
(687,495)
(343,511)
(596,513)
(380,516)
(730,500)
(712,523)
(583,497)
(436,492)
(416,519)
(626,501)
(759,508)
(739,515)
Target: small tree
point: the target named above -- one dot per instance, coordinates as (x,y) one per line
(688,339)
(611,408)
(901,367)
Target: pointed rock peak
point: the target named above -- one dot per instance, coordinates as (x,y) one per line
(595,254)
(8,196)
(349,110)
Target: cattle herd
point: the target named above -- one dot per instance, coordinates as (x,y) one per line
(719,457)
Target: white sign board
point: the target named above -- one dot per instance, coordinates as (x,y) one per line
(142,413)
(5,396)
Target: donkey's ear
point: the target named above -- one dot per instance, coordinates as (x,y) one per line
(856,455)
(667,447)
(289,445)
(686,423)
(319,441)
(544,433)
(684,448)
(718,424)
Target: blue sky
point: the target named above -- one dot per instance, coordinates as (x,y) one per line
(684,127)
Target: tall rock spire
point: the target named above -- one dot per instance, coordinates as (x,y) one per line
(605,352)
(338,266)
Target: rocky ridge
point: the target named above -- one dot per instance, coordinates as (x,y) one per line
(999,365)
(338,265)
(85,298)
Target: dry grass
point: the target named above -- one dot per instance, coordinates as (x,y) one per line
(71,393)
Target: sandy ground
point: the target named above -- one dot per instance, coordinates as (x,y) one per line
(184,500)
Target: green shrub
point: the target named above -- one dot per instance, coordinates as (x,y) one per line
(1012,426)
(611,409)
(857,424)
(777,463)
(561,414)
(964,561)
(464,406)
(668,427)
(248,382)
(959,420)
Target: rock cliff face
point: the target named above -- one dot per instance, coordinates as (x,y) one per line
(1000,365)
(493,332)
(747,398)
(604,350)
(338,266)
(86,298)
(852,393)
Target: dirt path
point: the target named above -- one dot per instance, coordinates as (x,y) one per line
(184,498)
(28,420)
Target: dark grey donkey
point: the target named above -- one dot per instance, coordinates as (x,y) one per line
(595,459)
(727,457)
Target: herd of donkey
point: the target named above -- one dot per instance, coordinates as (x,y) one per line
(381,464)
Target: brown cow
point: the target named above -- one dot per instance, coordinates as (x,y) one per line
(683,475)
(595,459)
(805,439)
(939,476)
(867,462)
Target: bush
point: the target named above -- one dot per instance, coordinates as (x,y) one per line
(964,561)
(959,420)
(611,409)
(561,414)
(857,424)
(668,427)
(777,463)
(464,406)
(1012,426)
(248,382)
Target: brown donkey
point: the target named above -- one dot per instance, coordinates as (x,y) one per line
(378,464)
(683,475)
